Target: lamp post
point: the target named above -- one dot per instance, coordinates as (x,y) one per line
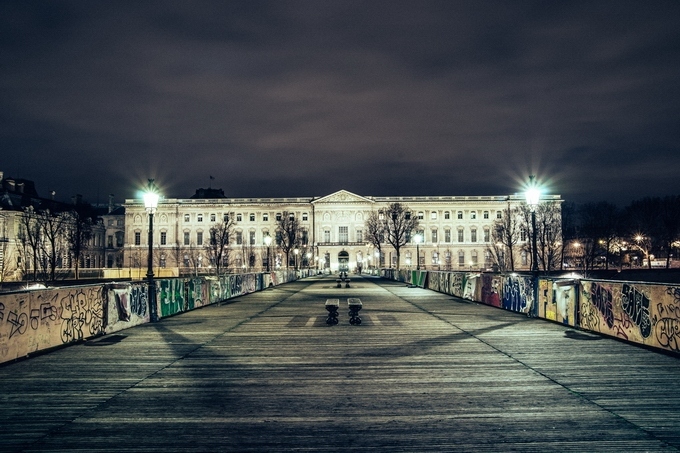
(151,203)
(268,242)
(295,252)
(309,257)
(418,238)
(533,195)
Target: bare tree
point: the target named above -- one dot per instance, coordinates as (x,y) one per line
(505,234)
(288,234)
(375,235)
(549,239)
(54,244)
(669,224)
(79,223)
(397,224)
(218,245)
(29,237)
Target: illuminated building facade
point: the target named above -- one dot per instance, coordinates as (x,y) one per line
(456,230)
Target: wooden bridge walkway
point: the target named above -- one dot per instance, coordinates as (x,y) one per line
(423,372)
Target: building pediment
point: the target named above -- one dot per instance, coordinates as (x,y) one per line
(342,196)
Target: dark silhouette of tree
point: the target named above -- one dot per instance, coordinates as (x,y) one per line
(505,234)
(288,234)
(375,234)
(218,245)
(397,224)
(79,224)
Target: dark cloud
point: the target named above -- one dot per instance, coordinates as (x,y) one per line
(301,98)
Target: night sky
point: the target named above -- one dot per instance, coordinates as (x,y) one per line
(303,98)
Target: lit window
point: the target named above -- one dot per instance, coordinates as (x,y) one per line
(421,215)
(433,215)
(304,216)
(434,236)
(265,217)
(343,234)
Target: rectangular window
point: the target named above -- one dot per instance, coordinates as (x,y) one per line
(164,238)
(199,218)
(486,214)
(461,259)
(421,215)
(109,241)
(461,236)
(225,217)
(327,236)
(434,236)
(433,215)
(239,237)
(186,238)
(252,238)
(213,217)
(360,235)
(265,217)
(138,238)
(304,216)
(343,234)
(447,235)
(473,235)
(473,215)
(487,235)
(199,238)
(278,216)
(239,217)
(187,217)
(305,237)
(252,217)
(460,215)
(447,215)
(499,215)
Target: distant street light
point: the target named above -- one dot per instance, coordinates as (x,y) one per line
(418,238)
(151,203)
(295,252)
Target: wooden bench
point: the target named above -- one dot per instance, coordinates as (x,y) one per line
(354,304)
(332,306)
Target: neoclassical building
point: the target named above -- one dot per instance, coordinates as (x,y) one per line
(456,231)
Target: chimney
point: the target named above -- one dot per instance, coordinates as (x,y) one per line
(111,203)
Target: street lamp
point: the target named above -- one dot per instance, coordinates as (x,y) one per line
(295,252)
(151,203)
(268,242)
(309,258)
(533,195)
(418,238)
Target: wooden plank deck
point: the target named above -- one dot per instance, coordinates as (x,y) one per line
(423,372)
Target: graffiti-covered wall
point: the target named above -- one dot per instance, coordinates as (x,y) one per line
(39,320)
(644,313)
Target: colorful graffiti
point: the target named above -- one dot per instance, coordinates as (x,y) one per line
(517,293)
(491,290)
(39,320)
